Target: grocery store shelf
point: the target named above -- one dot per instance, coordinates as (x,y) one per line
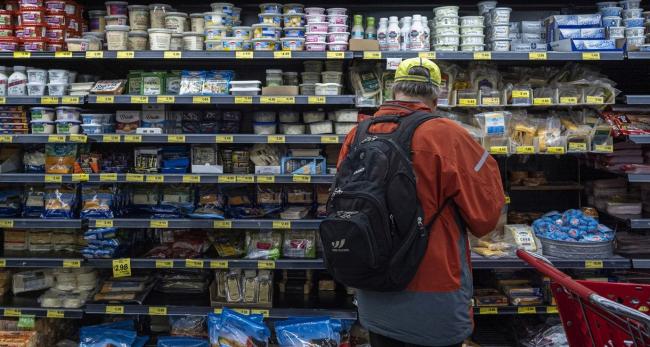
(640,139)
(638,55)
(40,223)
(281,264)
(42,262)
(475,105)
(176,138)
(134,223)
(163,178)
(551,186)
(514,310)
(639,223)
(174,55)
(222,100)
(41,312)
(638,178)
(615,262)
(641,263)
(41,100)
(637,99)
(557,56)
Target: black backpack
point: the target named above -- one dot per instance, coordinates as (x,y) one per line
(375,236)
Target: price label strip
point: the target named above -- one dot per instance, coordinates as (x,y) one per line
(55,314)
(219,264)
(164,264)
(194,264)
(224,139)
(281,224)
(594,264)
(132,138)
(103,223)
(266,264)
(160,224)
(526,310)
(72,263)
(122,267)
(488,310)
(6,223)
(165,99)
(157,311)
(265,179)
(112,309)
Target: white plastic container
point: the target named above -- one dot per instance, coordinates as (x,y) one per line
(472,48)
(471,21)
(478,30)
(315,37)
(197,22)
(317,27)
(157,14)
(139,17)
(57,89)
(337,28)
(313,116)
(472,39)
(293,44)
(117,19)
(316,18)
(343,128)
(446,11)
(616,32)
(314,10)
(337,46)
(68,113)
(630,4)
(214,18)
(446,48)
(17,82)
(337,19)
(454,20)
(35,89)
(58,75)
(138,41)
(450,40)
(292,128)
(264,116)
(444,30)
(486,6)
(499,32)
(192,41)
(289,117)
(338,37)
(500,15)
(501,45)
(95,118)
(117,37)
(322,127)
(36,76)
(245,84)
(43,114)
(42,127)
(629,32)
(176,22)
(328,89)
(308,89)
(337,11)
(176,42)
(67,127)
(634,43)
(159,39)
(245,91)
(345,115)
(260,128)
(92,129)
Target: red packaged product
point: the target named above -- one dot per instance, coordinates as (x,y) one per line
(55,32)
(74,23)
(6,30)
(55,18)
(57,5)
(32,31)
(6,17)
(55,45)
(31,3)
(8,44)
(32,15)
(33,45)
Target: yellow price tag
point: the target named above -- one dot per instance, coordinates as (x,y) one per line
(49,100)
(139,100)
(176,138)
(467,102)
(165,99)
(3,263)
(94,55)
(222,224)
(316,100)
(577,146)
(22,55)
(488,310)
(63,54)
(245,179)
(6,139)
(55,314)
(555,150)
(103,223)
(155,179)
(490,101)
(266,264)
(82,177)
(219,264)
(568,100)
(282,54)
(112,309)
(201,99)
(227,179)
(194,264)
(243,99)
(482,55)
(133,138)
(224,139)
(243,55)
(265,179)
(243,311)
(172,55)
(595,100)
(12,312)
(335,55)
(264,313)
(78,138)
(594,264)
(108,177)
(371,55)
(71,263)
(542,101)
(551,309)
(278,100)
(159,224)
(157,311)
(164,264)
(527,310)
(590,56)
(56,138)
(6,223)
(125,55)
(122,267)
(507,200)
(301,178)
(525,150)
(70,100)
(604,148)
(499,150)
(276,139)
(427,55)
(537,56)
(191,179)
(521,94)
(53,178)
(281,224)
(134,177)
(105,99)
(111,138)
(3,100)
(329,139)
(217,310)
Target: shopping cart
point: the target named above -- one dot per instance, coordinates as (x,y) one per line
(597,314)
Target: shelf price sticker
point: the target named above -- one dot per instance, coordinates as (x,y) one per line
(266,264)
(6,139)
(482,55)
(527,310)
(521,94)
(594,264)
(3,262)
(507,200)
(105,99)
(244,311)
(542,101)
(427,55)
(525,150)
(590,55)
(568,100)
(595,100)
(301,179)
(155,179)
(165,99)
(125,55)
(191,179)
(94,55)
(551,309)
(139,99)
(157,311)
(111,138)
(265,179)
(12,312)
(164,264)
(63,54)
(176,138)
(172,55)
(3,100)
(329,139)
(121,267)
(245,179)
(103,223)
(55,314)
(22,55)
(316,100)
(132,138)
(194,264)
(49,100)
(371,55)
(276,139)
(264,313)
(224,139)
(112,309)
(244,55)
(604,148)
(467,102)
(277,100)
(108,177)
(222,224)
(218,310)
(537,56)
(490,101)
(335,55)
(243,100)
(161,224)
(72,263)
(56,138)
(555,150)
(53,178)
(488,310)
(219,264)
(281,224)
(79,138)
(70,100)
(201,99)
(134,177)
(577,147)
(282,55)
(6,223)
(82,177)
(227,179)
(499,150)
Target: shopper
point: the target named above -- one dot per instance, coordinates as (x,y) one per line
(449,164)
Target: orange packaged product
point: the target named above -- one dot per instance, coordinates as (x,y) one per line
(60,158)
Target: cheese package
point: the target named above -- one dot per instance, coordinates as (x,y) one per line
(127,122)
(28,281)
(110,87)
(522,236)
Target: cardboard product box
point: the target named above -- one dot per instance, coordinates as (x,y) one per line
(280,91)
(364,45)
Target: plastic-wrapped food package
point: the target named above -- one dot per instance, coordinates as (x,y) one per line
(210,203)
(240,330)
(522,130)
(550,134)
(307,332)
(27,281)
(97,201)
(59,201)
(10,201)
(181,341)
(217,82)
(34,158)
(263,244)
(571,226)
(300,194)
(229,244)
(60,158)
(144,199)
(191,82)
(241,201)
(176,201)
(299,244)
(214,326)
(551,337)
(269,198)
(188,326)
(101,337)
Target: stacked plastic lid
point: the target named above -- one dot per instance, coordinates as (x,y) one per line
(446,32)
(626,19)
(498,25)
(326,31)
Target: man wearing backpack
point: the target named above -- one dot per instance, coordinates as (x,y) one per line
(397,229)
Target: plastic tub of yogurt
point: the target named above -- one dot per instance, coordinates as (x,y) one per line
(616,32)
(232,44)
(452,20)
(633,22)
(337,11)
(244,32)
(92,129)
(58,75)
(67,113)
(318,27)
(37,76)
(446,11)
(478,30)
(42,114)
(96,118)
(35,89)
(293,44)
(214,18)
(42,127)
(316,46)
(67,127)
(265,44)
(314,10)
(630,4)
(501,45)
(193,41)
(294,32)
(448,40)
(270,18)
(472,39)
(500,15)
(117,37)
(160,39)
(337,19)
(57,89)
(271,7)
(445,30)
(337,47)
(337,28)
(315,37)
(337,37)
(471,21)
(612,21)
(116,8)
(266,31)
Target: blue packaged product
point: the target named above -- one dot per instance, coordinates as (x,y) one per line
(102,337)
(181,341)
(34,201)
(571,226)
(59,201)
(191,82)
(10,202)
(233,329)
(176,201)
(34,158)
(100,234)
(97,201)
(302,333)
(127,324)
(217,82)
(210,203)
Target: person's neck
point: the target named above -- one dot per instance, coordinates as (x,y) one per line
(408,99)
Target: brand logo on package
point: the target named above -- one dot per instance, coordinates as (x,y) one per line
(337,246)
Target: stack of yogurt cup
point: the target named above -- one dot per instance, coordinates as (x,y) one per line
(498,28)
(447,30)
(326,31)
(472,34)
(634,24)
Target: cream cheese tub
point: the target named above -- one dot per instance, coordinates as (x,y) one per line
(117,37)
(159,39)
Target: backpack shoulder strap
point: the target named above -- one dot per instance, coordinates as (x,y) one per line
(363,127)
(407,126)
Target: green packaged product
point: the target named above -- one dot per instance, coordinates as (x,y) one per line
(153,83)
(173,82)
(135,82)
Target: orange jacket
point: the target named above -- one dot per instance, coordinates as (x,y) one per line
(447,162)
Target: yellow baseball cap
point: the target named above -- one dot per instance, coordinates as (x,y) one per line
(404,68)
